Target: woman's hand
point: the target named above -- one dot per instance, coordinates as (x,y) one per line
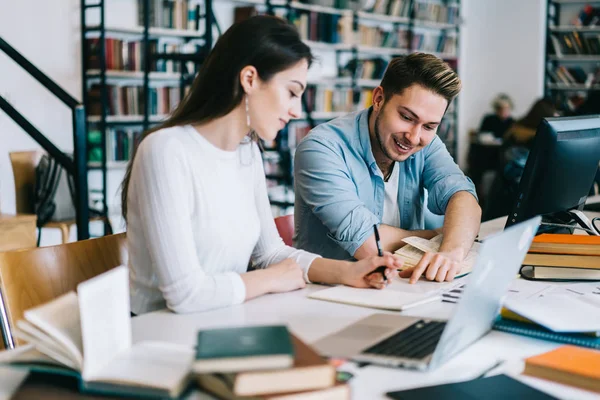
(285,276)
(361,273)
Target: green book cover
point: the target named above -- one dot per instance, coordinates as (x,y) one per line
(251,341)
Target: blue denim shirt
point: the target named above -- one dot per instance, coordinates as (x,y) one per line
(340,189)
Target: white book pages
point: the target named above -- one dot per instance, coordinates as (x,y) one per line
(105,319)
(156,365)
(59,319)
(44,343)
(23,354)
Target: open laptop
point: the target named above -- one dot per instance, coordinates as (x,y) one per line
(424,343)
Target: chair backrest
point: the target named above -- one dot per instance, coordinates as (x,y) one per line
(29,278)
(285,227)
(23,165)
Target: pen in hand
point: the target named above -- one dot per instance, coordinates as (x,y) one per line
(379,252)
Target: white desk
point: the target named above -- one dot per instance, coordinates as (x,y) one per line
(313,319)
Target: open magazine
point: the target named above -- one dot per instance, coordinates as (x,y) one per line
(416,247)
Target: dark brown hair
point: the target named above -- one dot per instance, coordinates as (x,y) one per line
(270,44)
(542,108)
(422,69)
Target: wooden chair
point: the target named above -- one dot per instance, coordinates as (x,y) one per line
(32,277)
(23,165)
(285,227)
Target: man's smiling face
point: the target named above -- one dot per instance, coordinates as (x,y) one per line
(407,122)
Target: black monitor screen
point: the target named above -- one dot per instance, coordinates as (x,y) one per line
(560,169)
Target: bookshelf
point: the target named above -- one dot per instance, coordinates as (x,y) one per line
(572,67)
(133,76)
(343,29)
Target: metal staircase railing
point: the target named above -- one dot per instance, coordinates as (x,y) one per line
(76,166)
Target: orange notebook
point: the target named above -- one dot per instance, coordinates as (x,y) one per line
(566,244)
(569,365)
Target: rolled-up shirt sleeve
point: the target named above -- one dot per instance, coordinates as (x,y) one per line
(324,183)
(442,177)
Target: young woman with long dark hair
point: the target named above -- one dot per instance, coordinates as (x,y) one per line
(195,195)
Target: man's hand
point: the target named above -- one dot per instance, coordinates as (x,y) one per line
(441,266)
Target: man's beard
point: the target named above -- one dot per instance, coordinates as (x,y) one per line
(384,150)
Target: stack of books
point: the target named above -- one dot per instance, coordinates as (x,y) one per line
(263,362)
(563,257)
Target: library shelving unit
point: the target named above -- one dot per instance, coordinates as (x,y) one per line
(362,40)
(572,64)
(133,76)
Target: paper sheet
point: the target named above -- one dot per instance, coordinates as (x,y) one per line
(562,307)
(588,292)
(559,313)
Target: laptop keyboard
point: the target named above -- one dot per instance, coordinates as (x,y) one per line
(416,341)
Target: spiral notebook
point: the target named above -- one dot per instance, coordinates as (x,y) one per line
(536,331)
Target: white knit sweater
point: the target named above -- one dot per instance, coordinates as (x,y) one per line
(197,215)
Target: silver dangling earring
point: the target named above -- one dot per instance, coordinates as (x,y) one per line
(245,158)
(247,113)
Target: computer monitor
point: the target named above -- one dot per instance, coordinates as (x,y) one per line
(559,173)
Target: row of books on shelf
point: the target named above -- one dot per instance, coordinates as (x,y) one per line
(436,12)
(575,43)
(340,28)
(128,55)
(129,100)
(379,37)
(175,14)
(373,68)
(328,28)
(440,43)
(444,12)
(120,144)
(394,8)
(288,140)
(574,76)
(326,99)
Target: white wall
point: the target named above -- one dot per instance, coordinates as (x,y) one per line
(502,50)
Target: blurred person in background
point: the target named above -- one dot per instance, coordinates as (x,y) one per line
(498,122)
(515,150)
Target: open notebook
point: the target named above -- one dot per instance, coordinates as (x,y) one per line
(398,296)
(88,335)
(416,247)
